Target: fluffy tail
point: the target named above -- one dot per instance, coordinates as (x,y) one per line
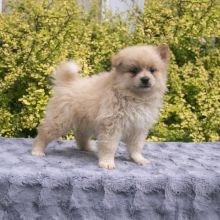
(65,73)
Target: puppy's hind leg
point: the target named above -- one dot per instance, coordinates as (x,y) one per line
(82,140)
(47,132)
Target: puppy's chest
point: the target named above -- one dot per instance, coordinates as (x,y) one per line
(138,114)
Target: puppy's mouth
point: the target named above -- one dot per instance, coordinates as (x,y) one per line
(144,86)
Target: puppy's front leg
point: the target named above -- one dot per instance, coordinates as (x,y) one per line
(106,151)
(135,144)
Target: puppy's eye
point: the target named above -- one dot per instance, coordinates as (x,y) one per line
(134,70)
(152,70)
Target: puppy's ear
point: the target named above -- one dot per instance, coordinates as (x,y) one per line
(164,52)
(116,60)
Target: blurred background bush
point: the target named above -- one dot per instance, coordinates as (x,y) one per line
(36,35)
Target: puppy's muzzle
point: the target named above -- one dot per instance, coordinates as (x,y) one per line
(145,82)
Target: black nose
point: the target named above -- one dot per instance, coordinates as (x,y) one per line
(145,80)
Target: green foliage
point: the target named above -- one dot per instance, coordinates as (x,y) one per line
(192,106)
(35,36)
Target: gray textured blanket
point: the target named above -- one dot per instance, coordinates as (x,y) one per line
(182,182)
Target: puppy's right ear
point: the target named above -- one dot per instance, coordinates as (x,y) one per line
(116,60)
(164,52)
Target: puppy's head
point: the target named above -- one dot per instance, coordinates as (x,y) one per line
(141,69)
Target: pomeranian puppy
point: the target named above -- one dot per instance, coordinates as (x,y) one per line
(120,105)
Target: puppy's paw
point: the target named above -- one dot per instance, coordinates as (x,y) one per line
(107,164)
(139,159)
(38,153)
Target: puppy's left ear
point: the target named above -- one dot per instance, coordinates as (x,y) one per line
(164,52)
(116,60)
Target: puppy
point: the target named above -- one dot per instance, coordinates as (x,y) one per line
(122,104)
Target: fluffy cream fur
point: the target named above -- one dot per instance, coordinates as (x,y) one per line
(112,106)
